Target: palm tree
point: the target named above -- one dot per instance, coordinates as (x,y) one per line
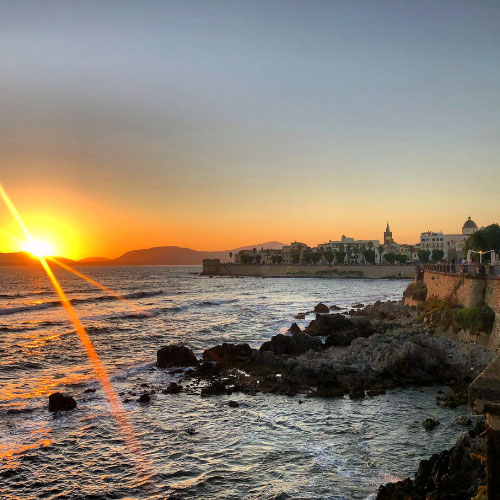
(230,256)
(381,251)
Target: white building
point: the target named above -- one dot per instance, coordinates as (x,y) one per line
(353,249)
(453,243)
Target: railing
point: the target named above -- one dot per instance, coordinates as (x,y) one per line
(465,269)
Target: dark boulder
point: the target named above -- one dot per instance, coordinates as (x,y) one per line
(61,402)
(144,398)
(430,423)
(233,404)
(173,388)
(228,355)
(321,308)
(292,345)
(175,355)
(300,316)
(215,388)
(335,308)
(454,474)
(357,393)
(295,329)
(332,322)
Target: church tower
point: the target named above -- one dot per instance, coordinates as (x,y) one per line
(388,236)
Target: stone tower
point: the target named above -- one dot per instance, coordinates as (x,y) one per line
(387,236)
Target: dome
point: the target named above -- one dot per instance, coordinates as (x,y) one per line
(469,224)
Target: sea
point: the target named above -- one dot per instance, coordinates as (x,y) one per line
(270,447)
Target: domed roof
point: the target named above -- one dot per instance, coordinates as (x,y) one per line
(469,224)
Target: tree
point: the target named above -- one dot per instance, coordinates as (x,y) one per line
(308,255)
(390,257)
(316,257)
(423,256)
(487,238)
(246,259)
(258,258)
(340,255)
(437,255)
(369,255)
(230,256)
(380,251)
(329,256)
(279,259)
(295,256)
(401,258)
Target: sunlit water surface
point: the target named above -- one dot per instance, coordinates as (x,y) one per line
(269,446)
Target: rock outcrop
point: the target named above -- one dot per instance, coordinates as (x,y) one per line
(292,345)
(454,474)
(61,402)
(175,355)
(228,355)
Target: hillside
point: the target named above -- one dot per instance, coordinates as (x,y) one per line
(167,255)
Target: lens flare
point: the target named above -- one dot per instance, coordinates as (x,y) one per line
(114,402)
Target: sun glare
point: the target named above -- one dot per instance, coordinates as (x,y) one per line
(38,248)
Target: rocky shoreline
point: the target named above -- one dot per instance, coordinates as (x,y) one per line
(361,353)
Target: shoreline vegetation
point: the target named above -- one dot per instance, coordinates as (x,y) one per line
(358,353)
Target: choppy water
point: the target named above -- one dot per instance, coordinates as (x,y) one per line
(269,446)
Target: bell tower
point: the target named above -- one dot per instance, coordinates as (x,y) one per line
(388,236)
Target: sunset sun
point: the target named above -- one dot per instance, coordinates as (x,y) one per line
(38,248)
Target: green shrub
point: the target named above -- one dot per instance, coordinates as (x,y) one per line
(476,318)
(417,291)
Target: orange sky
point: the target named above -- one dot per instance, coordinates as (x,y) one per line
(80,226)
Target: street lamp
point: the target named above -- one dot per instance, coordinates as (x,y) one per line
(481,253)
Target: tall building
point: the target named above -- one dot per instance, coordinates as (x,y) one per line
(388,241)
(469,227)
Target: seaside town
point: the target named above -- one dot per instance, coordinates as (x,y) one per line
(435,247)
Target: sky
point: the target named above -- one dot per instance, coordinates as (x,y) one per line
(217,124)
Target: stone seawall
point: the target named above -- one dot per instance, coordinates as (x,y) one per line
(215,268)
(468,291)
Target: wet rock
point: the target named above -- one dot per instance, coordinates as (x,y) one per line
(456,396)
(89,390)
(175,355)
(357,393)
(206,369)
(144,398)
(463,420)
(215,388)
(233,404)
(335,308)
(321,308)
(295,329)
(430,423)
(358,306)
(173,388)
(375,392)
(191,431)
(454,474)
(228,355)
(292,345)
(332,322)
(61,402)
(300,316)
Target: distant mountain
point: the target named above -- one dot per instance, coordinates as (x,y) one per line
(94,259)
(169,255)
(174,255)
(17,259)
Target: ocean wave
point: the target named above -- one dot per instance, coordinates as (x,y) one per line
(56,303)
(215,302)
